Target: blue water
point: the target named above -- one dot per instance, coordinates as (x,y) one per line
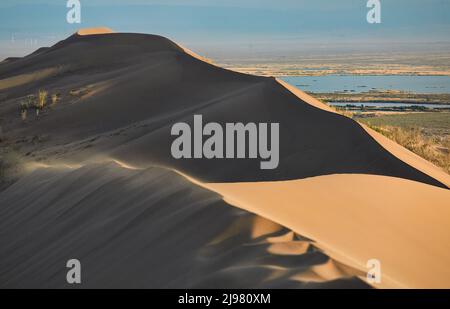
(358,84)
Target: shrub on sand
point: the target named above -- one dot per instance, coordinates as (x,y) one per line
(26,103)
(42,100)
(55,98)
(23,109)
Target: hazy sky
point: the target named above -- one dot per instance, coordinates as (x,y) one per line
(241,27)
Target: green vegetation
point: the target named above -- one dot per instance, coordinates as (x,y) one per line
(25,104)
(45,100)
(431,123)
(41,102)
(425,134)
(387,96)
(37,102)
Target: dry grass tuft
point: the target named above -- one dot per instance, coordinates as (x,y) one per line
(42,100)
(435,149)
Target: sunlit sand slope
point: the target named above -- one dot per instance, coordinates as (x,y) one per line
(356,218)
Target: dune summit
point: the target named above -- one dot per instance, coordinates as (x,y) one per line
(105,189)
(93,31)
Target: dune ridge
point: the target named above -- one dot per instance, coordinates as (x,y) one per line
(94,31)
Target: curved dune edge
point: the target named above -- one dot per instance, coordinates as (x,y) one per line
(402,223)
(306,97)
(195,55)
(395,149)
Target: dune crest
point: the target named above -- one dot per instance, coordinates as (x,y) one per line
(96,30)
(195,55)
(306,97)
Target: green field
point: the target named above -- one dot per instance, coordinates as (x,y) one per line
(431,123)
(426,134)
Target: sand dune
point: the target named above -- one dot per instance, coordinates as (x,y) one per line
(339,186)
(356,218)
(155,83)
(145,229)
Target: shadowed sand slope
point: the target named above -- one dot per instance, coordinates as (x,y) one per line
(353,193)
(147,228)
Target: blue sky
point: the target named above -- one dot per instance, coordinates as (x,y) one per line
(235,27)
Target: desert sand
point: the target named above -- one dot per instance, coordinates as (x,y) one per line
(145,228)
(100,183)
(355,218)
(91,31)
